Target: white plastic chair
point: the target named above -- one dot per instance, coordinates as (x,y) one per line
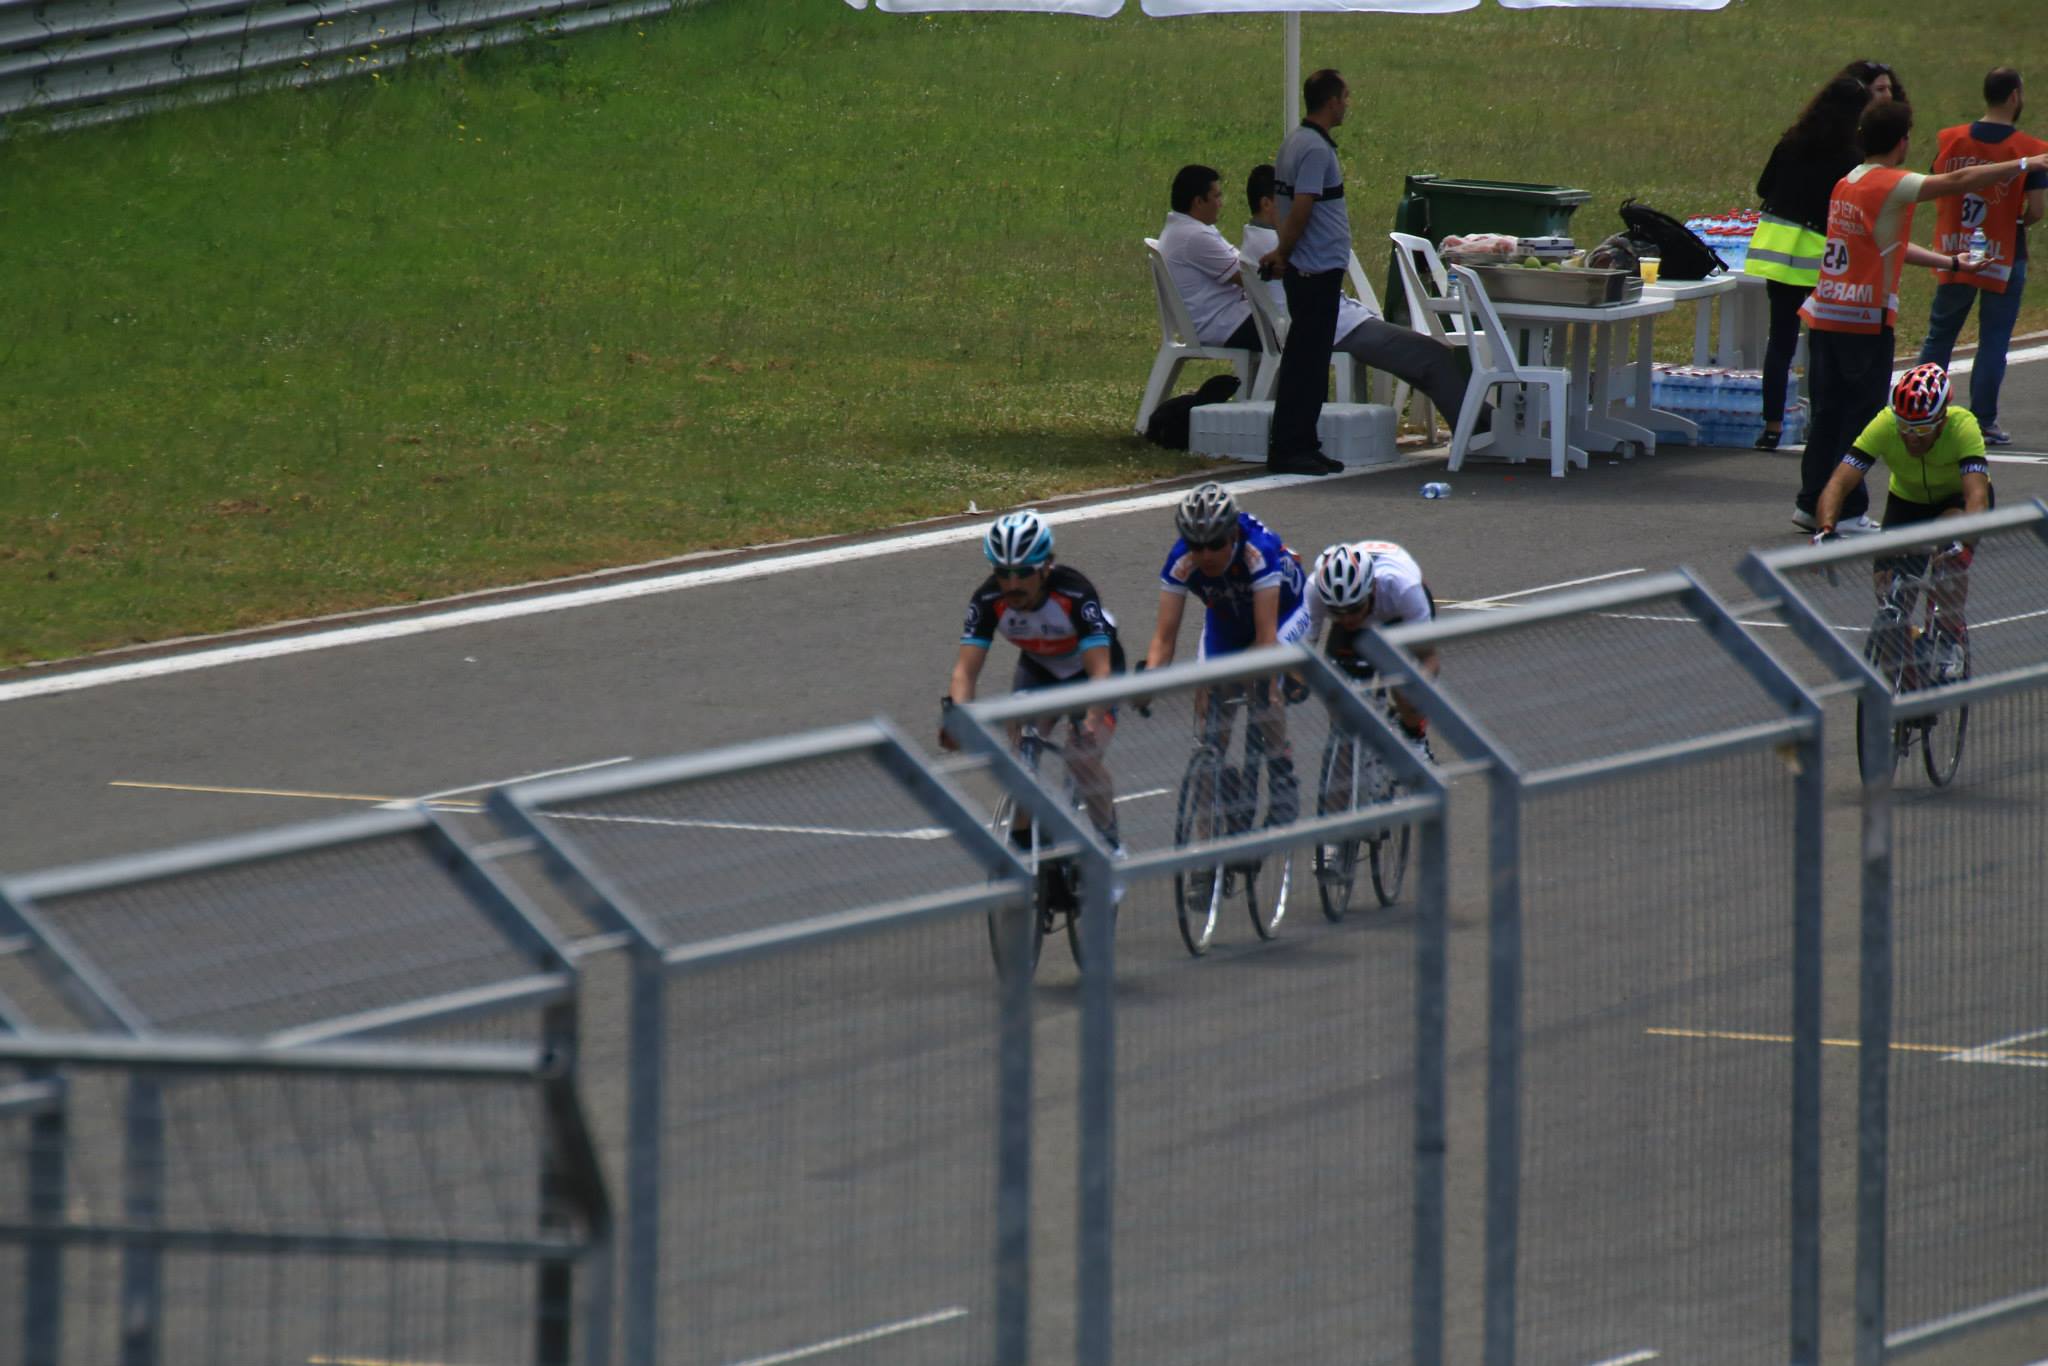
(1450,326)
(1272,328)
(1494,364)
(1177,341)
(1272,324)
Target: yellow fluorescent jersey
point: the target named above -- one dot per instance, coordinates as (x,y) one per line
(1931,478)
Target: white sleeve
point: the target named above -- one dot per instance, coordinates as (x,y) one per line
(1408,602)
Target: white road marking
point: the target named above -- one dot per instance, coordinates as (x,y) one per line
(1964,364)
(1148,792)
(522,778)
(1632,1359)
(856,1339)
(2019,458)
(561,601)
(1996,1051)
(1687,621)
(1488,603)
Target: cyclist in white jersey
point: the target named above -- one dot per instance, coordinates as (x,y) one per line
(1358,585)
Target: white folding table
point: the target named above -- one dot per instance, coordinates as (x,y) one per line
(1606,405)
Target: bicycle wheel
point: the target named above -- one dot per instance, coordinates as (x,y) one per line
(1197,892)
(1390,863)
(1941,748)
(1336,865)
(1266,888)
(1002,930)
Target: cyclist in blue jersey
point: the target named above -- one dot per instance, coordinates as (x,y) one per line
(1254,593)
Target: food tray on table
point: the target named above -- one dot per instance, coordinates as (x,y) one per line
(1576,288)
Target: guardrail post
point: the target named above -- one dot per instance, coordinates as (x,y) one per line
(142,1272)
(43,1274)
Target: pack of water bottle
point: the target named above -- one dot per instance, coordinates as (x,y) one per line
(1726,234)
(1726,404)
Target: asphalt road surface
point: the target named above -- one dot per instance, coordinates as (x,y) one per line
(1263,1129)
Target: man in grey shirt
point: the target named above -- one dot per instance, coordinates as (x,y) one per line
(1314,249)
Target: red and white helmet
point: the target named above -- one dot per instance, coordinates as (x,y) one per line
(1920,398)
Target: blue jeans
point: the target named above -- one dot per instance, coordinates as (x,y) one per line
(1995,319)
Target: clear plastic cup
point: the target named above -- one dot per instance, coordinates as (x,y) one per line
(1648,262)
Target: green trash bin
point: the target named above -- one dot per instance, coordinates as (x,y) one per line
(1436,208)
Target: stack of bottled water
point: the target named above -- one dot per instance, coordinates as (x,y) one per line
(1726,234)
(1727,404)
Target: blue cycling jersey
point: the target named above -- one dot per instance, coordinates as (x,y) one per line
(1262,560)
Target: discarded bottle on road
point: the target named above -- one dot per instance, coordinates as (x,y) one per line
(1434,490)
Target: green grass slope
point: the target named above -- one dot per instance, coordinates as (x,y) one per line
(765,268)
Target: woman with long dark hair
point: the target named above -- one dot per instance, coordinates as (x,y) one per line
(1815,152)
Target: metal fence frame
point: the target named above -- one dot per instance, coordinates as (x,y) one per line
(71,63)
(522,808)
(576,1186)
(1767,573)
(550,989)
(982,728)
(1393,650)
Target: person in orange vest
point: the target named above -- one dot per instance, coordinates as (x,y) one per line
(2003,212)
(1852,310)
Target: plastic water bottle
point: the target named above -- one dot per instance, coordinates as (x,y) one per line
(1436,490)
(1980,245)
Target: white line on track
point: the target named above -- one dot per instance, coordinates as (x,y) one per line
(1995,1051)
(1632,1359)
(856,1339)
(2019,458)
(335,638)
(1488,603)
(507,782)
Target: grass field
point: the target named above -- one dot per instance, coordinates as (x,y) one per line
(762,269)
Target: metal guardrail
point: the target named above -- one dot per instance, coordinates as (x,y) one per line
(70,63)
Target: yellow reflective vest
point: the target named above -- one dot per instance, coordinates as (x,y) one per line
(1785,251)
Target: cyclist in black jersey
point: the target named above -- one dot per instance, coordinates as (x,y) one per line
(1063,634)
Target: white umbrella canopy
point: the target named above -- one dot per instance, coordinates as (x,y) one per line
(1291,76)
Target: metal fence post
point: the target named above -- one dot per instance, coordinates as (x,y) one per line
(43,1274)
(142,1273)
(1808,956)
(1095,1291)
(1874,1041)
(1504,1064)
(1014,1090)
(647,1067)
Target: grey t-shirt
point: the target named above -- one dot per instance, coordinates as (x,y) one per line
(1307,164)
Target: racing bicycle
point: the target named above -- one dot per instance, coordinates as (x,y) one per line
(1351,776)
(1055,881)
(1219,798)
(1912,656)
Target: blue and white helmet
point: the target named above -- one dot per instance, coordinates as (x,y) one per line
(1018,540)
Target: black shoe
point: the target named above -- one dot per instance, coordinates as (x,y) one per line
(1768,441)
(1332,464)
(1302,462)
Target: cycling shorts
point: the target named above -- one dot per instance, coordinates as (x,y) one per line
(1901,512)
(1032,676)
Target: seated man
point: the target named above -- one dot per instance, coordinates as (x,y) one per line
(1203,265)
(1413,357)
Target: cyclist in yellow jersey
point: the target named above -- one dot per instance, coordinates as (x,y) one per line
(1933,452)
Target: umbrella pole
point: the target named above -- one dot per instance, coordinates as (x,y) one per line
(1290,77)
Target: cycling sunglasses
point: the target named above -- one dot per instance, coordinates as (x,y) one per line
(1220,543)
(1017,571)
(1927,428)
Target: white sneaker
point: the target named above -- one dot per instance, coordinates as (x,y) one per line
(1857,526)
(1803,520)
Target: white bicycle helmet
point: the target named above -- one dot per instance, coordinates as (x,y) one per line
(1018,539)
(1207,514)
(1343,577)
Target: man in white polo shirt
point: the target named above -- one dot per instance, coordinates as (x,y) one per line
(1203,265)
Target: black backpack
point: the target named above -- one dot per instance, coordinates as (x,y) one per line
(1685,257)
(1168,425)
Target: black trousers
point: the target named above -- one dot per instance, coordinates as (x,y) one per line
(1782,344)
(1850,375)
(1304,361)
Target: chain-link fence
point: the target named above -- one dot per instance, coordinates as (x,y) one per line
(1948,653)
(828,1131)
(1650,769)
(378,1202)
(1260,1055)
(179,1191)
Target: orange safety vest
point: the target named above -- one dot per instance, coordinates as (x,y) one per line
(1858,290)
(1995,209)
